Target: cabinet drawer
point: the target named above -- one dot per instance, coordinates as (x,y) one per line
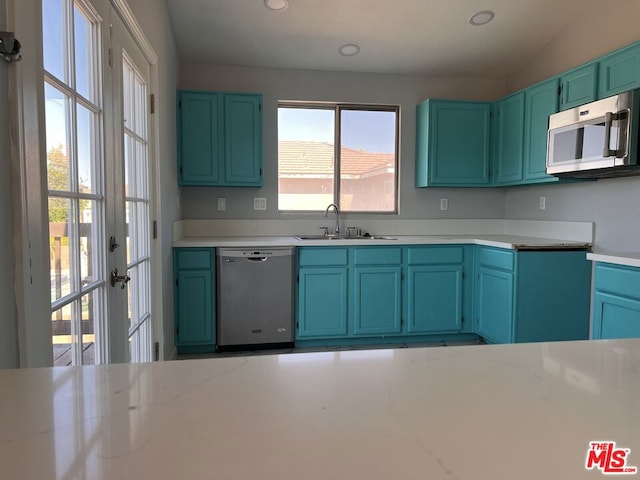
(323,256)
(188,258)
(502,259)
(620,280)
(434,255)
(377,256)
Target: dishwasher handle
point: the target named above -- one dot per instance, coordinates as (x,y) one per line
(257,259)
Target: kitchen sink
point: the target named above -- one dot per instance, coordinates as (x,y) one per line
(345,237)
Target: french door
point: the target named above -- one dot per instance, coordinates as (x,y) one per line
(96,116)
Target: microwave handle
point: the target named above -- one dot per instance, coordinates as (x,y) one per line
(608,120)
(623,143)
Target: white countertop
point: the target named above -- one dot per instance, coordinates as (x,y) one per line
(501,241)
(491,412)
(631,259)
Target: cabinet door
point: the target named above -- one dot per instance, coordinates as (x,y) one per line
(199,138)
(434,302)
(195,317)
(377,303)
(540,102)
(243,140)
(322,303)
(579,86)
(619,71)
(452,143)
(510,140)
(615,317)
(494,307)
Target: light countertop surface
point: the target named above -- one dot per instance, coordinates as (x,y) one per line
(629,259)
(501,241)
(491,412)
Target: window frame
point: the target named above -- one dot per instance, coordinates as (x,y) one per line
(337,145)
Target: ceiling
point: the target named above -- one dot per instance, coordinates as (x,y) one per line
(426,37)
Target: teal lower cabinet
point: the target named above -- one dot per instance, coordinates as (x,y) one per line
(436,288)
(377,291)
(531,296)
(383,294)
(194,271)
(616,302)
(321,310)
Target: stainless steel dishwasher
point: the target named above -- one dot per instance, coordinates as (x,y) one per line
(255,299)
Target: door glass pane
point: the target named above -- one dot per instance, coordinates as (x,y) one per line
(367,160)
(306,158)
(61,321)
(61,243)
(90,212)
(58,128)
(89,311)
(84,66)
(54,40)
(88,140)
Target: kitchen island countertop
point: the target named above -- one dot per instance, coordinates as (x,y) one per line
(525,411)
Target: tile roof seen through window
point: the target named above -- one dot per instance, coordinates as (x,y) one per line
(316,160)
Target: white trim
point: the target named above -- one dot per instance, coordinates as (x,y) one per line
(129,20)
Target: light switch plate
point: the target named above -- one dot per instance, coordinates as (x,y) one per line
(444,204)
(259,203)
(222,203)
(543,203)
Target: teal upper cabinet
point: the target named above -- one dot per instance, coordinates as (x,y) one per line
(219,139)
(619,71)
(541,101)
(452,143)
(579,86)
(199,138)
(616,301)
(243,139)
(509,141)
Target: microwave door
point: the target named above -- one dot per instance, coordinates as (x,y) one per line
(580,146)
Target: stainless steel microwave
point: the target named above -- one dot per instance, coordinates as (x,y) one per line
(598,139)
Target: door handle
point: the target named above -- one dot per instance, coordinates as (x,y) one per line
(123,279)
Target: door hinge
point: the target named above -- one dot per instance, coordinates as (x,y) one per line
(155,229)
(176,282)
(156,351)
(298,325)
(259,107)
(461,320)
(110,57)
(297,278)
(152,103)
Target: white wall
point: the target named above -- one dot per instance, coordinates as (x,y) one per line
(611,203)
(154,20)
(279,84)
(8,331)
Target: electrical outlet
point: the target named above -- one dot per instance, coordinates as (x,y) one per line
(222,203)
(259,203)
(543,203)
(444,204)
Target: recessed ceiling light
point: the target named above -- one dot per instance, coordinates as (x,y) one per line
(482,18)
(277,5)
(349,49)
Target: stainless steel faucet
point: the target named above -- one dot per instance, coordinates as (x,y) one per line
(326,215)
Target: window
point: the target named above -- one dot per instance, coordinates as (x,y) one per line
(342,154)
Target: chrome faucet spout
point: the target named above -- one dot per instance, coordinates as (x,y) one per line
(326,215)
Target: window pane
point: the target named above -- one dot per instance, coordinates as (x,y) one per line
(88,313)
(61,227)
(89,221)
(58,132)
(54,40)
(83,49)
(367,161)
(306,158)
(87,150)
(61,329)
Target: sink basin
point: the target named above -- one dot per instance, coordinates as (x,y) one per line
(346,237)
